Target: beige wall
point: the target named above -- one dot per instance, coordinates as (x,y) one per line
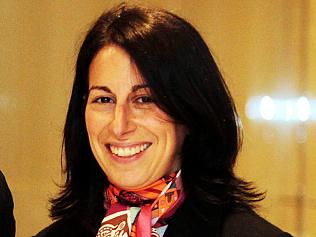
(262,47)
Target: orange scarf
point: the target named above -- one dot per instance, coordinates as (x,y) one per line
(142,212)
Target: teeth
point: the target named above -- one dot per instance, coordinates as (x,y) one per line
(128,151)
(120,152)
(142,148)
(133,150)
(137,149)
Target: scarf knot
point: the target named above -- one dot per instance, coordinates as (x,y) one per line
(142,212)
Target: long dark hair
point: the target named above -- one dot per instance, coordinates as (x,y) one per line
(178,67)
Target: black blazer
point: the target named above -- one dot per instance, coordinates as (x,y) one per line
(190,220)
(7,221)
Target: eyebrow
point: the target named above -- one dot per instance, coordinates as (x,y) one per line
(138,87)
(102,88)
(107,89)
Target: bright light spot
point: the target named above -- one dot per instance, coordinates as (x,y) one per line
(267,108)
(288,110)
(303,109)
(251,110)
(299,109)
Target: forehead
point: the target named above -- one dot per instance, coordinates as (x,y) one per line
(113,64)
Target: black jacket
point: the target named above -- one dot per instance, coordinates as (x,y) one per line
(7,222)
(190,220)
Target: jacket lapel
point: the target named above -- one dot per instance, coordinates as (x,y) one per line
(193,219)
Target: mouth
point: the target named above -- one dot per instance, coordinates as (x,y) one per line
(128,151)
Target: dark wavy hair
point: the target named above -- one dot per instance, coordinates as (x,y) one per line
(186,83)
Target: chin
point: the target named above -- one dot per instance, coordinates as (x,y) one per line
(128,185)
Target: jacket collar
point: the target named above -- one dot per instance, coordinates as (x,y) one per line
(196,219)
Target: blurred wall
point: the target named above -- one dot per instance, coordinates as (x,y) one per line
(262,47)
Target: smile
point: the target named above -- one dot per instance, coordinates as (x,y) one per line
(128,151)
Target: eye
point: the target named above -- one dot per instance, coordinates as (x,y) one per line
(144,99)
(103,100)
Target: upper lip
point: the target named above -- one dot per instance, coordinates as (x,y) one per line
(124,145)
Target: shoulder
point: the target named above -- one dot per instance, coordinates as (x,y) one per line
(196,219)
(247,223)
(5,193)
(7,221)
(1,176)
(66,228)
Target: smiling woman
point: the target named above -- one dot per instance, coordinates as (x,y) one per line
(151,137)
(133,140)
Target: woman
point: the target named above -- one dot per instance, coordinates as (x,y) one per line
(151,137)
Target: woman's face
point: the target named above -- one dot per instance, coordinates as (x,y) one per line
(134,142)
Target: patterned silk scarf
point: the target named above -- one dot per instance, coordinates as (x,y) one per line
(141,213)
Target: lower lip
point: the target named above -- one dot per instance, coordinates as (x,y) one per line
(126,159)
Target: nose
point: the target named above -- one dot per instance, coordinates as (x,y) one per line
(122,124)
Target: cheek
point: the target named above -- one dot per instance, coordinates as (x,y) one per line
(167,132)
(175,137)
(158,121)
(94,124)
(170,138)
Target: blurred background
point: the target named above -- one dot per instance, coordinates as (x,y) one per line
(266,50)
